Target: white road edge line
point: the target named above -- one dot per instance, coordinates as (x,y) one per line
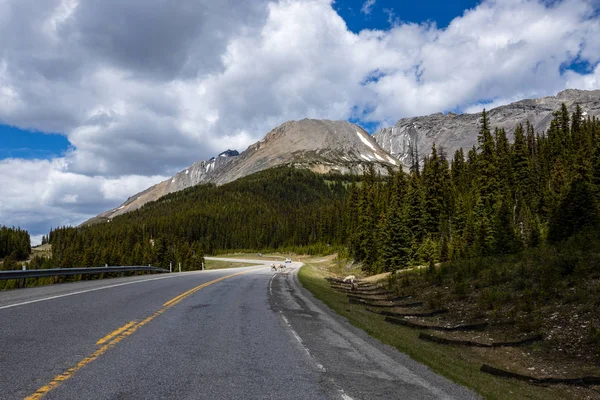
(84,291)
(345,396)
(271,286)
(319,366)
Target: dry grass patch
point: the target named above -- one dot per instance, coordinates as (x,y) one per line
(213,264)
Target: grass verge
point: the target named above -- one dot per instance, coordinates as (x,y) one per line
(254,256)
(213,264)
(461,365)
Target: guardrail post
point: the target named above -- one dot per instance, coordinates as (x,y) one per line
(202,265)
(22,281)
(170,267)
(179,267)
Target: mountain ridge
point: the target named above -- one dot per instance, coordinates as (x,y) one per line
(326,146)
(453,131)
(322,146)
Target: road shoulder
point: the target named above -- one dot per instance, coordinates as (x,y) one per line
(357,365)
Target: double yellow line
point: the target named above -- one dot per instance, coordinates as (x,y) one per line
(116,336)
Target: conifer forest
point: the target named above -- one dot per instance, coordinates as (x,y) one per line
(499,197)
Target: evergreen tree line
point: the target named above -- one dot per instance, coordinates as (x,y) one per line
(498,198)
(280,208)
(14,242)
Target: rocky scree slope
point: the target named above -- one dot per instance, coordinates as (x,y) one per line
(320,145)
(453,131)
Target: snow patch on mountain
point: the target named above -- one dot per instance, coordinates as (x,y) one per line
(365,141)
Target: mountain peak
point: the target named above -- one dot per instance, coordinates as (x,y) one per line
(229,153)
(323,146)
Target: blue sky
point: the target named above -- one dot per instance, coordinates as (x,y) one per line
(359,15)
(17,143)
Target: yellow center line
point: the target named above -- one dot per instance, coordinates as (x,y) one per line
(117,336)
(115,333)
(194,290)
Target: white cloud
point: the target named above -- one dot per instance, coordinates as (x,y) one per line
(393,19)
(138,105)
(367,7)
(38,194)
(589,81)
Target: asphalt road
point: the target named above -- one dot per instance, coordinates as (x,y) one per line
(244,333)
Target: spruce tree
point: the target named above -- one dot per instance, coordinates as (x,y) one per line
(433,184)
(367,223)
(414,208)
(577,211)
(505,241)
(486,163)
(520,164)
(396,246)
(503,162)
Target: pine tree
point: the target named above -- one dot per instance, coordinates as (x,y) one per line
(458,168)
(577,211)
(503,162)
(396,246)
(484,239)
(433,183)
(367,224)
(504,234)
(565,131)
(414,208)
(487,164)
(576,131)
(520,164)
(413,151)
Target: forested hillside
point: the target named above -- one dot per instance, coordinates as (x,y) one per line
(282,208)
(498,198)
(14,243)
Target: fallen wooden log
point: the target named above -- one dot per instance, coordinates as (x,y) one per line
(341,281)
(350,289)
(370,298)
(583,381)
(410,324)
(354,300)
(517,343)
(359,292)
(470,343)
(437,339)
(413,314)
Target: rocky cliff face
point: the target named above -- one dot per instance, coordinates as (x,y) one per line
(453,131)
(320,145)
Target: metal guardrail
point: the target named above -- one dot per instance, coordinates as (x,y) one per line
(38,273)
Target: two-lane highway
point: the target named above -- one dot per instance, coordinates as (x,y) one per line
(224,334)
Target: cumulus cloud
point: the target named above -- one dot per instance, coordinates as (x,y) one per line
(39,194)
(144,88)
